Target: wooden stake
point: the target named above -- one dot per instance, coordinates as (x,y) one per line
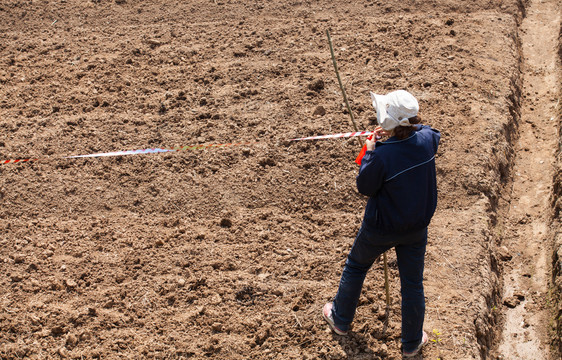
(341,86)
(386,285)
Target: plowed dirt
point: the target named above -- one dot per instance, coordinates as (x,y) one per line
(230,253)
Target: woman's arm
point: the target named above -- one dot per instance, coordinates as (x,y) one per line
(371,174)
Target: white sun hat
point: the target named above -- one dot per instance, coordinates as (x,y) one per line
(395,108)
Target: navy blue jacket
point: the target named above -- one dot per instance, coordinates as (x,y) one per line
(399,178)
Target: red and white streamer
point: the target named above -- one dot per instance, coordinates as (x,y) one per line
(335,136)
(183,148)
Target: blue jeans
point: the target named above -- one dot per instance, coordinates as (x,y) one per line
(410,251)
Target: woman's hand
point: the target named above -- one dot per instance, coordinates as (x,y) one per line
(370,143)
(372,140)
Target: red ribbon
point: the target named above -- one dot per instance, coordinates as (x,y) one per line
(363,151)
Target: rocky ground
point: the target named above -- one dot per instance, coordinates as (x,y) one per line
(230,253)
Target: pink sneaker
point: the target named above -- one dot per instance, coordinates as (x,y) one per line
(409,354)
(327,314)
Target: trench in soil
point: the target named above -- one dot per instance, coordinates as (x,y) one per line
(523,232)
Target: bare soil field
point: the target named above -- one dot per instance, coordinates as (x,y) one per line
(230,252)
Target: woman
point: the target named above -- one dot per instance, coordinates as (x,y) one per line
(398,175)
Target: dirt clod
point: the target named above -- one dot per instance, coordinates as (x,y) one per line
(319,111)
(317,85)
(57,330)
(512,302)
(226,223)
(71,340)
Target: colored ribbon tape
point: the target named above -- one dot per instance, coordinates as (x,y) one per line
(185,148)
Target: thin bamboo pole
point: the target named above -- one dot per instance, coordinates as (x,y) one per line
(341,86)
(386,283)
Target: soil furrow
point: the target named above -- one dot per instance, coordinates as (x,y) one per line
(526,240)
